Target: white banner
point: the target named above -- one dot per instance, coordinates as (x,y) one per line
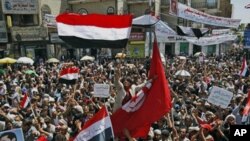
(220,97)
(101,90)
(20,6)
(50,20)
(213,40)
(221,31)
(192,14)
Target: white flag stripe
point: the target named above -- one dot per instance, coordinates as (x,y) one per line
(70,76)
(93,32)
(94,129)
(26,102)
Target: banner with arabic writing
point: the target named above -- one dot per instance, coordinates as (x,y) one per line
(20,6)
(186,12)
(213,40)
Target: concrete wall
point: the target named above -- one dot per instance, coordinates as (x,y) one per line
(95,7)
(56,6)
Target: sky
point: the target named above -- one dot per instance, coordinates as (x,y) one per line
(239,11)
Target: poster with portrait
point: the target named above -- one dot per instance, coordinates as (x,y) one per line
(173,7)
(12,135)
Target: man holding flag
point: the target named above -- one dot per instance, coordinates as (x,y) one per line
(147,106)
(98,128)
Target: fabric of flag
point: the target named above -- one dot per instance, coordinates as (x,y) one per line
(98,128)
(25,101)
(193,32)
(42,138)
(246,109)
(94,30)
(155,104)
(244,68)
(69,75)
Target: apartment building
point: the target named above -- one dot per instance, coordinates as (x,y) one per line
(23,32)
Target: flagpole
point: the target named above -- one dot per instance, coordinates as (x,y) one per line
(32,110)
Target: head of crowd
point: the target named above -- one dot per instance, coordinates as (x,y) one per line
(57,111)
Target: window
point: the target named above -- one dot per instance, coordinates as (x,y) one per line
(211,3)
(1,16)
(24,20)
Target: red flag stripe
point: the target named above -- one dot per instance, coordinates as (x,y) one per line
(25,101)
(247,108)
(99,20)
(69,71)
(243,67)
(98,116)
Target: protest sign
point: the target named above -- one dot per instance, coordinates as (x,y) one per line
(14,134)
(220,97)
(101,90)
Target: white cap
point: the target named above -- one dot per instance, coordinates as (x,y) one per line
(157,131)
(79,108)
(7,105)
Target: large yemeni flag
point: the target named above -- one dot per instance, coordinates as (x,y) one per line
(244,68)
(98,128)
(25,101)
(141,112)
(69,75)
(94,30)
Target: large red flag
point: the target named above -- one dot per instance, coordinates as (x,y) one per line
(149,104)
(247,108)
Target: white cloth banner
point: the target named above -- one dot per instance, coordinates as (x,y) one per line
(220,97)
(101,90)
(192,14)
(50,20)
(220,31)
(213,40)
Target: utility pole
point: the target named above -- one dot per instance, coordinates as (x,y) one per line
(150,29)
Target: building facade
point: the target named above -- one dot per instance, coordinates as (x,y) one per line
(28,27)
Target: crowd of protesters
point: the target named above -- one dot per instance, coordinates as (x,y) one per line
(58,111)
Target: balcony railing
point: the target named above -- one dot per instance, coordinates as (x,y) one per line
(198,5)
(137,1)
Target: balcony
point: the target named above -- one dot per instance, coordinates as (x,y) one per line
(137,1)
(82,1)
(204,5)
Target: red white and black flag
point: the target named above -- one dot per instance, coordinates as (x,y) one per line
(244,68)
(98,128)
(69,75)
(25,101)
(94,30)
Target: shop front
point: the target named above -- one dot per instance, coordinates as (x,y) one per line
(211,50)
(136,45)
(184,48)
(3,37)
(29,41)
